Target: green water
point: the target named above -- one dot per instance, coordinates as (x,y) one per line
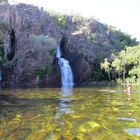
(79,114)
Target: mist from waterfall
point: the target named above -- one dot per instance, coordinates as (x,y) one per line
(66,72)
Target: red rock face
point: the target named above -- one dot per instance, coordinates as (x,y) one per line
(54,78)
(36,37)
(80,66)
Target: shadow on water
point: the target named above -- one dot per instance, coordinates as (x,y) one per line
(18,104)
(24,111)
(12,100)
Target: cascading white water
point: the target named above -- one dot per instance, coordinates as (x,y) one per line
(67,85)
(66,72)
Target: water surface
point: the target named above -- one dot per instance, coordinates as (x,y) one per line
(78,114)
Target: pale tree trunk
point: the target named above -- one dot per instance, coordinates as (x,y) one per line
(124,75)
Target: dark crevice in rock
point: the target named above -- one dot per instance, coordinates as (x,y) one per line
(63,44)
(11,54)
(54,78)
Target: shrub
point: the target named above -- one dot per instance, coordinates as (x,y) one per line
(76,19)
(93,38)
(52,52)
(44,71)
(41,41)
(61,20)
(4,25)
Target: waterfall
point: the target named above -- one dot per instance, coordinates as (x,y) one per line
(67,86)
(66,72)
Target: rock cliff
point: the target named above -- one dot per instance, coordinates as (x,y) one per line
(30,36)
(28,43)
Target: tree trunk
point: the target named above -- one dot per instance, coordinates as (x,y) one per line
(109,76)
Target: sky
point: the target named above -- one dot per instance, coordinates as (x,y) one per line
(122,14)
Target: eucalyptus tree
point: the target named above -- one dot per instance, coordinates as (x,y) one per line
(107,67)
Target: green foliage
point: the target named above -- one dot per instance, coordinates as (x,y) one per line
(44,71)
(126,64)
(106,66)
(93,37)
(126,40)
(41,41)
(76,19)
(52,51)
(4,25)
(132,59)
(112,28)
(61,20)
(120,63)
(97,74)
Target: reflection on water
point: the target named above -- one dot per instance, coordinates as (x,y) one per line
(69,114)
(135,131)
(126,119)
(64,104)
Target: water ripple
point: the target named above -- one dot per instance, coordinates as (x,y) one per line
(134,131)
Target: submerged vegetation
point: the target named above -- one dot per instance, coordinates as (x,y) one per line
(96,52)
(48,114)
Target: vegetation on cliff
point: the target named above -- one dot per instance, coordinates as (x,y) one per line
(95,41)
(4,26)
(37,33)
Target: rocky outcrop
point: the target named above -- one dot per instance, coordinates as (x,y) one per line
(53,79)
(80,65)
(30,36)
(29,43)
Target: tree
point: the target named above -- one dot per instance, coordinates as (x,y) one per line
(127,64)
(106,66)
(119,64)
